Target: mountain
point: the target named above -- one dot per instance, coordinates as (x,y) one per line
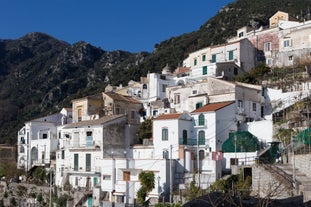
(40,74)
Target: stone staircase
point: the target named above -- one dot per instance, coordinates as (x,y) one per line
(301,182)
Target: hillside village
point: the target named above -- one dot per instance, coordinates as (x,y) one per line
(204,125)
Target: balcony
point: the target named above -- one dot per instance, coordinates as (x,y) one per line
(198,123)
(187,141)
(191,141)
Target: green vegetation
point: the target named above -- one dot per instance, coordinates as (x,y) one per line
(40,74)
(145,130)
(146,179)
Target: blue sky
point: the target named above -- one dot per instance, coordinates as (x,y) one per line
(131,25)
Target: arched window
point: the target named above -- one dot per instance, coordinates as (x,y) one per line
(144,86)
(164,134)
(201,120)
(201,136)
(184,136)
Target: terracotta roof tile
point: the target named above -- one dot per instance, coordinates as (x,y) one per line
(212,107)
(168,116)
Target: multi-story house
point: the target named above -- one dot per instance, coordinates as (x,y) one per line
(194,141)
(284,43)
(38,140)
(223,61)
(104,128)
(249,98)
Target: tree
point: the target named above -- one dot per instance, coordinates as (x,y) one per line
(146,179)
(145,129)
(9,171)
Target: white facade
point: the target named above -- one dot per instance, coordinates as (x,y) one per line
(38,140)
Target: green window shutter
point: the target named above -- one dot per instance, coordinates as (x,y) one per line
(214,58)
(76,162)
(230,55)
(195,62)
(88,162)
(203,57)
(95,181)
(198,105)
(201,137)
(204,71)
(63,154)
(201,120)
(164,134)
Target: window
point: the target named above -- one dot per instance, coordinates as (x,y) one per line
(118,110)
(165,154)
(198,105)
(235,71)
(76,162)
(201,136)
(203,57)
(195,61)
(290,58)
(241,34)
(254,107)
(106,177)
(184,136)
(62,171)
(176,98)
(231,55)
(44,136)
(95,181)
(76,139)
(201,120)
(63,154)
(240,103)
(204,70)
(194,92)
(269,61)
(267,46)
(287,43)
(89,139)
(144,86)
(154,112)
(126,175)
(214,58)
(87,162)
(22,149)
(22,140)
(79,114)
(164,86)
(201,154)
(165,134)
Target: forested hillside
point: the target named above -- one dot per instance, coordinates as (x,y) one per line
(40,74)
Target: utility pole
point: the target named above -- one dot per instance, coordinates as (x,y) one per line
(171,175)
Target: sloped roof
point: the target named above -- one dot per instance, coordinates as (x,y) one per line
(212,107)
(169,116)
(102,120)
(119,97)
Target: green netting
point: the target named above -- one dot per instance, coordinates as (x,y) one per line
(304,137)
(244,142)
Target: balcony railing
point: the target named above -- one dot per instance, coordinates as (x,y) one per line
(200,123)
(191,141)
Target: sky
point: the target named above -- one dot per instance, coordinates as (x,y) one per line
(129,25)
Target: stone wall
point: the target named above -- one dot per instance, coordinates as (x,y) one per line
(267,185)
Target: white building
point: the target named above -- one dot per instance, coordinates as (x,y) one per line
(38,140)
